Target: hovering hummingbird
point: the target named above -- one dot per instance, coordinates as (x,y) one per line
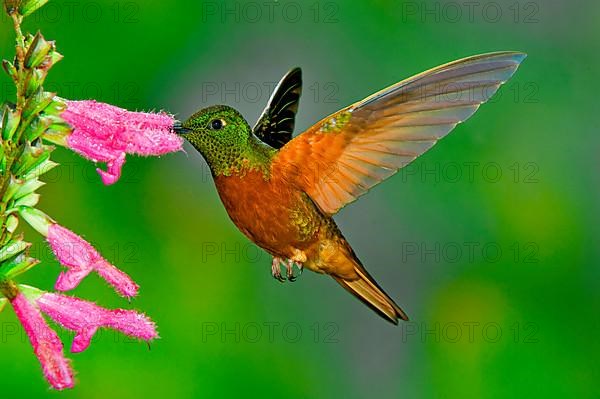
(282,193)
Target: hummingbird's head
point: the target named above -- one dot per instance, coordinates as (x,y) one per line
(219,133)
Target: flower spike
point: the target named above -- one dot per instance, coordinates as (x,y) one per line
(99,132)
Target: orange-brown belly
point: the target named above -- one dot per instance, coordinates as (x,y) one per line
(275,217)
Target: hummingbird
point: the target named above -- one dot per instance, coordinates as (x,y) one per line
(283,191)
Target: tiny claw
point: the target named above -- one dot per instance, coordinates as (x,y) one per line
(276,270)
(289,266)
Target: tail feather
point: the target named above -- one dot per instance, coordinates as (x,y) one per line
(369,292)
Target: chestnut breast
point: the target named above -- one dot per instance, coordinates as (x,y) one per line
(272,214)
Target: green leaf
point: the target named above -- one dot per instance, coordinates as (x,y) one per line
(58,131)
(29,6)
(36,219)
(10,122)
(2,160)
(13,186)
(35,81)
(36,128)
(37,51)
(34,161)
(17,266)
(56,108)
(37,103)
(40,169)
(28,200)
(12,222)
(10,69)
(29,157)
(30,292)
(57,134)
(13,248)
(55,57)
(27,187)
(3,302)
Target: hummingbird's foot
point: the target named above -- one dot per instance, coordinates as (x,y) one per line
(276,269)
(289,266)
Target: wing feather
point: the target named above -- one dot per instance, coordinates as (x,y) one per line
(344,155)
(276,124)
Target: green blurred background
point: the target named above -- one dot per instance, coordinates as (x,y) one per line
(487,241)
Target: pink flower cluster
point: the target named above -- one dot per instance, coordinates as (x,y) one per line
(101,133)
(105,133)
(75,314)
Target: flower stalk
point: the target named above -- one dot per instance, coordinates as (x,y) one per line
(30,127)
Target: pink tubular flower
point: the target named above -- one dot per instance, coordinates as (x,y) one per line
(81,259)
(46,344)
(85,318)
(105,133)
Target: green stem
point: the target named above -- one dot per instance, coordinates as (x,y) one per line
(9,289)
(5,236)
(12,149)
(20,51)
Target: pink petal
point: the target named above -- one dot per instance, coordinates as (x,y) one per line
(114,170)
(83,339)
(85,318)
(46,344)
(132,324)
(153,141)
(81,258)
(70,279)
(70,249)
(115,277)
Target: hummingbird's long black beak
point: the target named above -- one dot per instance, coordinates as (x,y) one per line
(179,129)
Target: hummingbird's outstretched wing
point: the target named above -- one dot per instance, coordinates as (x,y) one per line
(344,155)
(276,124)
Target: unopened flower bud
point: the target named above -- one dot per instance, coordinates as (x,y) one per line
(10,122)
(37,52)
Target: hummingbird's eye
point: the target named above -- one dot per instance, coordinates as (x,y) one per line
(217,124)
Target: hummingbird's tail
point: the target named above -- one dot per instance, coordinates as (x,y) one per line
(369,292)
(335,256)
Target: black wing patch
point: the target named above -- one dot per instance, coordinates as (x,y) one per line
(276,124)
